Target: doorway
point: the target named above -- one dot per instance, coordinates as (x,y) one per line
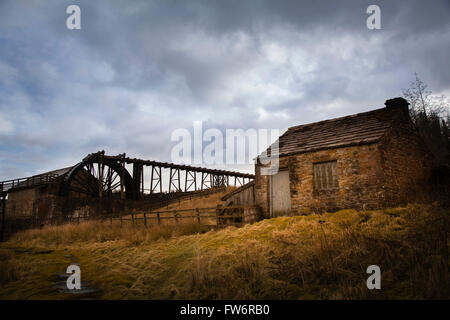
(280,194)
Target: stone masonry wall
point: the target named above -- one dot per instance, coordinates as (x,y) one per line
(406,163)
(20,203)
(359,174)
(262,191)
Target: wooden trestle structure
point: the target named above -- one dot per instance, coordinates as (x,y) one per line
(99,176)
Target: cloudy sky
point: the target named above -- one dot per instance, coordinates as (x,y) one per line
(137,70)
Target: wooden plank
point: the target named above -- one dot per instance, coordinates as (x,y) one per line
(231,216)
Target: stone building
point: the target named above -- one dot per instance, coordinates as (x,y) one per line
(33,196)
(364,161)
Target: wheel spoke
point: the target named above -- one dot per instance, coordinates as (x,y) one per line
(85,181)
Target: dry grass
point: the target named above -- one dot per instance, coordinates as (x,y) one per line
(208,201)
(8,268)
(306,257)
(90,232)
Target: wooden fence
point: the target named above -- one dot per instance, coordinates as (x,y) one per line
(206,216)
(210,216)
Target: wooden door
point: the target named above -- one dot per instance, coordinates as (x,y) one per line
(280,195)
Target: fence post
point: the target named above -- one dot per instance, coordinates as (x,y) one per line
(145,219)
(175,215)
(159,218)
(198,215)
(217,216)
(120,220)
(110,219)
(132,218)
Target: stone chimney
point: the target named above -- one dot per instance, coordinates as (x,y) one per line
(397,104)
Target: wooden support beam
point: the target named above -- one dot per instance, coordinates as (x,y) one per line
(100,175)
(195,180)
(160,179)
(151,180)
(3,210)
(170,180)
(156,179)
(122,177)
(138,169)
(142,181)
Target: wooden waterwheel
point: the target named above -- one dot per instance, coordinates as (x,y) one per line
(97,177)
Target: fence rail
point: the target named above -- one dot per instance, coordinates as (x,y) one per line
(208,216)
(27,182)
(197,215)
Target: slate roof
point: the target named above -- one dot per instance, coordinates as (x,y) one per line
(361,128)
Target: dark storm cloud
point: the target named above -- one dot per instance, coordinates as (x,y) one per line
(138,70)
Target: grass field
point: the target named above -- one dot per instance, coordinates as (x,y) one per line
(303,257)
(211,200)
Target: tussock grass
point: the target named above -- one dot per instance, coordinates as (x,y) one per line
(8,268)
(97,232)
(304,257)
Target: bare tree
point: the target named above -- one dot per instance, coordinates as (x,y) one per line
(431,115)
(422,102)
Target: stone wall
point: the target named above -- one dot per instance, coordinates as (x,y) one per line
(359,174)
(22,203)
(262,190)
(407,164)
(252,214)
(359,178)
(32,202)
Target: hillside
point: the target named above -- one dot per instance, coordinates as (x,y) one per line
(303,257)
(210,200)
